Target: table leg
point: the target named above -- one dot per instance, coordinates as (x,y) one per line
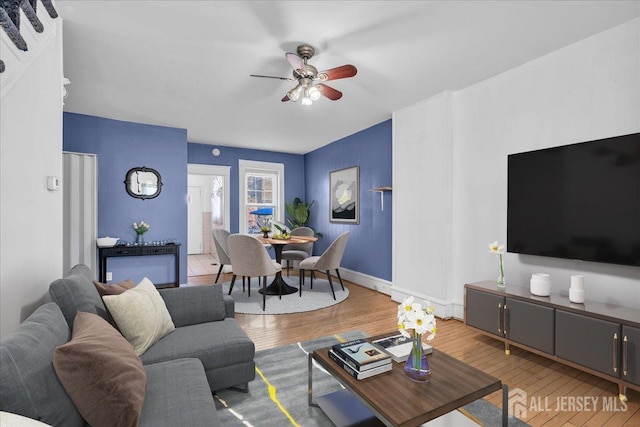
(310,379)
(102,273)
(278,282)
(505,405)
(177,259)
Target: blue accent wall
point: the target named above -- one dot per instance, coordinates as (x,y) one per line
(369,247)
(293,170)
(121,146)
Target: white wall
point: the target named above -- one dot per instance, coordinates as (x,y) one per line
(422,201)
(31,150)
(586,91)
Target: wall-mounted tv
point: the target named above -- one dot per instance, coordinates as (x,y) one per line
(578,201)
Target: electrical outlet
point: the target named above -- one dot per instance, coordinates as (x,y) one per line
(109,276)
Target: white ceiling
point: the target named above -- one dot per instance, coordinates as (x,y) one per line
(186,64)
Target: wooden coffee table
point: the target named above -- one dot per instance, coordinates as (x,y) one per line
(397,401)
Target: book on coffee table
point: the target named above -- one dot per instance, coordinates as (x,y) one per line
(359,375)
(361,355)
(398,347)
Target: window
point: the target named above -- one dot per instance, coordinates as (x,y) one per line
(261,188)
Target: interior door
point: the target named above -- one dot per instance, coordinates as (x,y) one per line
(194,208)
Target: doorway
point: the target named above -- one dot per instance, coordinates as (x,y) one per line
(208,209)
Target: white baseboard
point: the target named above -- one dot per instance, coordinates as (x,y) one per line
(444,309)
(371,282)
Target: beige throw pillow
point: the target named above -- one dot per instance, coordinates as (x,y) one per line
(141,315)
(101,373)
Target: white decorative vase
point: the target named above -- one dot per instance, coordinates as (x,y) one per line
(540,284)
(576,291)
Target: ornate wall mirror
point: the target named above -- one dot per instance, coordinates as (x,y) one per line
(143,183)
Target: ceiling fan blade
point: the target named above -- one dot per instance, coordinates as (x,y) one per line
(341,72)
(271,77)
(296,62)
(329,92)
(286,98)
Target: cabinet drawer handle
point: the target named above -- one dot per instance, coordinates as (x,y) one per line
(505,317)
(624,356)
(615,352)
(500,318)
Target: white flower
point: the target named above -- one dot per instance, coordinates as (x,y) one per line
(496,248)
(411,315)
(141,227)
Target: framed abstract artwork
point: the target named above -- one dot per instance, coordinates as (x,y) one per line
(344,195)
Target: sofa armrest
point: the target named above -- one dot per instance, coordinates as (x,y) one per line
(229,306)
(193,305)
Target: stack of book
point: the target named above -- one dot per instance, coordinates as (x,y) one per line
(360,358)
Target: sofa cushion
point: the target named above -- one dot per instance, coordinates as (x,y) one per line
(178,394)
(29,385)
(195,304)
(100,371)
(216,344)
(76,292)
(113,288)
(141,315)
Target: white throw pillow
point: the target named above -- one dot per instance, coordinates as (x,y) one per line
(7,419)
(141,315)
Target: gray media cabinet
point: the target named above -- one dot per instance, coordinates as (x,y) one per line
(599,338)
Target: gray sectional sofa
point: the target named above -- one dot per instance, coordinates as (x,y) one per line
(207,351)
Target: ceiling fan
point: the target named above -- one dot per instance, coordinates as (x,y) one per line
(311,82)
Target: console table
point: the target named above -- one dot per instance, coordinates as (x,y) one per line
(145,250)
(599,338)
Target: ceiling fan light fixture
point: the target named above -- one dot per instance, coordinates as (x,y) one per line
(306,101)
(314,93)
(294,93)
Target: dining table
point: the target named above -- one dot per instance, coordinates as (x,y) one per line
(279,286)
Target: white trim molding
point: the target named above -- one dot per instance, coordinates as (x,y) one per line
(444,309)
(224,171)
(245,166)
(370,282)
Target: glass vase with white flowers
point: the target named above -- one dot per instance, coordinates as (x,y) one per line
(414,321)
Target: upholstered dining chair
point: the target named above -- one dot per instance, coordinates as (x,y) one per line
(220,237)
(298,251)
(329,260)
(250,258)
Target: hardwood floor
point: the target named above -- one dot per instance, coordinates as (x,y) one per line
(557,395)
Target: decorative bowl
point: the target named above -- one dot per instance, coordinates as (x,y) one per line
(281,236)
(106,242)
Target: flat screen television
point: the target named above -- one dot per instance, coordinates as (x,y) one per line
(578,201)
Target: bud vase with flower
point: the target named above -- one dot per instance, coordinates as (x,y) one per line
(140,228)
(498,249)
(413,322)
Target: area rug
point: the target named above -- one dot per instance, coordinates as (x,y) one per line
(278,395)
(311,299)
